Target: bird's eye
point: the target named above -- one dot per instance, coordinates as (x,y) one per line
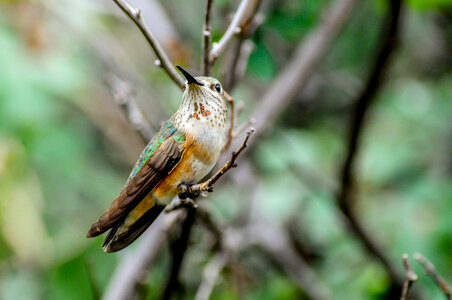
(218,87)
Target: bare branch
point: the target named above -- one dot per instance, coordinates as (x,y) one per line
(239,62)
(410,277)
(230,99)
(245,12)
(210,276)
(207,39)
(163,60)
(431,271)
(389,34)
(209,183)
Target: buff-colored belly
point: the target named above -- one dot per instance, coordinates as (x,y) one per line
(196,162)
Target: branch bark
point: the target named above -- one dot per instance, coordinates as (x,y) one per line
(209,183)
(389,35)
(245,12)
(163,60)
(410,277)
(207,39)
(431,271)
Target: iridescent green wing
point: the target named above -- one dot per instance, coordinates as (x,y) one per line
(156,161)
(167,130)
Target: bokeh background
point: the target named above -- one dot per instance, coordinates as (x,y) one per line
(66,147)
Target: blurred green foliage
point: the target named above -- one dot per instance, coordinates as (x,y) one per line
(59,167)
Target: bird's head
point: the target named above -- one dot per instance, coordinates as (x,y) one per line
(208,88)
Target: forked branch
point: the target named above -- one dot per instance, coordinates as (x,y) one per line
(245,12)
(163,61)
(410,277)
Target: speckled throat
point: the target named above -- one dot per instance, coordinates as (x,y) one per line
(203,113)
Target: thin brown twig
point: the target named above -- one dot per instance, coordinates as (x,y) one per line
(410,277)
(242,50)
(388,38)
(163,60)
(207,39)
(189,192)
(431,271)
(244,13)
(239,62)
(209,183)
(231,102)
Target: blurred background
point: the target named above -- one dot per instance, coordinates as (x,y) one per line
(66,146)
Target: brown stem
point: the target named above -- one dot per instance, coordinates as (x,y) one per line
(344,198)
(209,183)
(410,277)
(207,39)
(163,60)
(244,13)
(431,271)
(230,99)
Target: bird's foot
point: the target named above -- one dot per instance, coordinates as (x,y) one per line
(184,191)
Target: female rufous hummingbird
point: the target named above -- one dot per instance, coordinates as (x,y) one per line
(185,149)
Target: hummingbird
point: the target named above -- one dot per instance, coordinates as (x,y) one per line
(184,151)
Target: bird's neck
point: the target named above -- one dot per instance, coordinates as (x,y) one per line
(204,120)
(198,111)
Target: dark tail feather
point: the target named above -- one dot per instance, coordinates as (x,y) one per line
(115,241)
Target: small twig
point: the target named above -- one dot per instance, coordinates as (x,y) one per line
(241,52)
(209,183)
(207,39)
(241,16)
(410,277)
(431,271)
(163,60)
(210,276)
(239,62)
(230,99)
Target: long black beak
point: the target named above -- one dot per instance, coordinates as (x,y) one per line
(189,77)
